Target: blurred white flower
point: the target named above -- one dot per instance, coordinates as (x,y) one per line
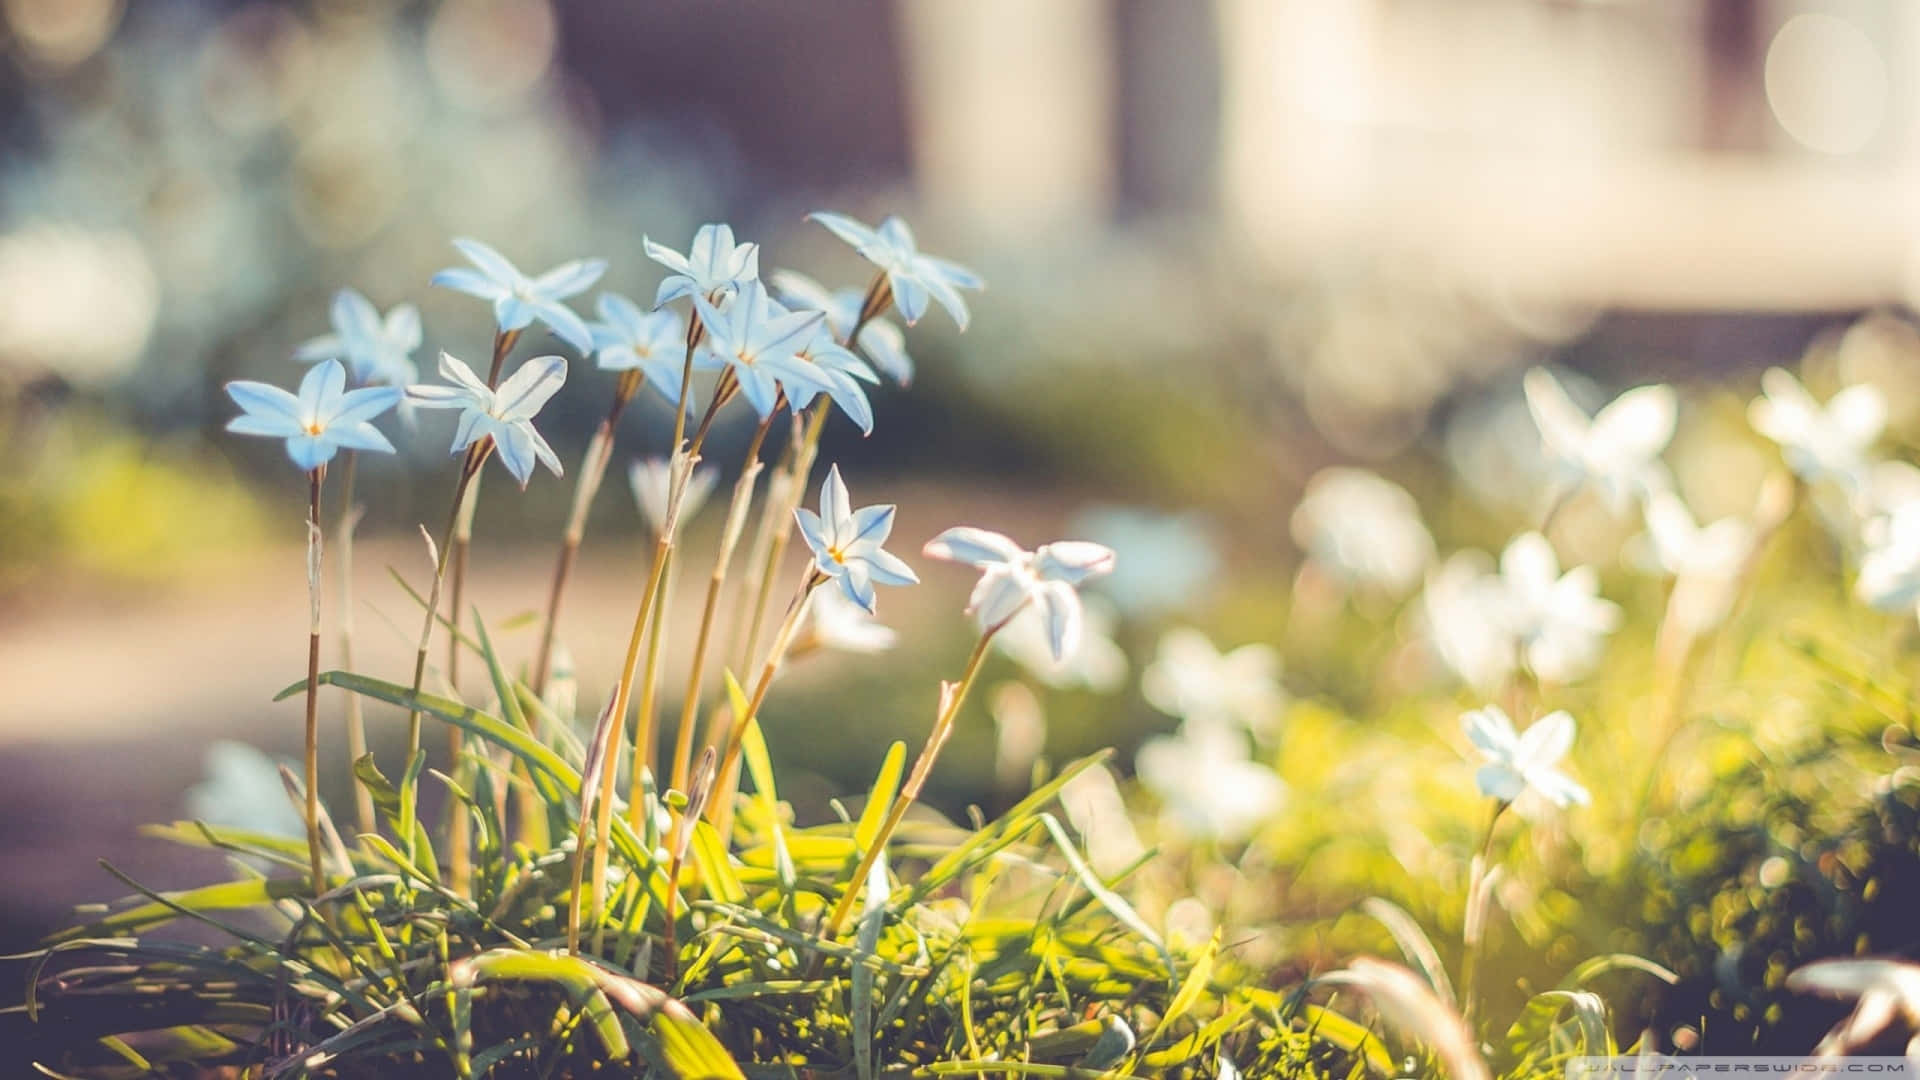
(1829,442)
(713,268)
(1166,561)
(1559,622)
(652,481)
(1517,763)
(1887,992)
(841,625)
(1363,530)
(376,349)
(1194,681)
(517,299)
(242,790)
(1890,569)
(1098,663)
(1207,782)
(914,278)
(1468,626)
(1097,812)
(1617,451)
(1013,578)
(1704,561)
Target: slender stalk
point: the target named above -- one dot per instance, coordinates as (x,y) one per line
(722,808)
(469,468)
(356,716)
(1474,923)
(318,878)
(953,696)
(644,715)
(462,537)
(593,471)
(716,582)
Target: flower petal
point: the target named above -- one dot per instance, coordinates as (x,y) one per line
(972,547)
(1072,561)
(462,279)
(528,389)
(569,278)
(491,262)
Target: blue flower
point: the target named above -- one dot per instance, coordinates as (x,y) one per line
(1013,578)
(759,341)
(505,414)
(653,343)
(317,422)
(913,277)
(846,543)
(518,299)
(376,350)
(714,267)
(881,340)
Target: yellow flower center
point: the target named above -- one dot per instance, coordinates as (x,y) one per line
(315,427)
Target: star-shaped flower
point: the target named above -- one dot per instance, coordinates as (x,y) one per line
(1194,681)
(653,343)
(1516,763)
(1617,451)
(518,299)
(1559,621)
(504,415)
(1014,577)
(846,543)
(913,277)
(1468,627)
(759,341)
(824,367)
(714,267)
(1819,442)
(376,350)
(317,422)
(881,341)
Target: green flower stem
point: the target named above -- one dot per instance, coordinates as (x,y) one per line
(716,582)
(318,879)
(953,696)
(469,468)
(356,715)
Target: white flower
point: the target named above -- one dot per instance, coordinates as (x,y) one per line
(518,299)
(1208,783)
(504,415)
(1819,442)
(1617,451)
(1704,561)
(1888,992)
(652,482)
(1363,530)
(913,277)
(759,342)
(653,343)
(1097,811)
(842,625)
(242,790)
(1014,577)
(1516,763)
(1559,622)
(1098,664)
(846,543)
(318,421)
(713,268)
(1468,627)
(882,341)
(1194,681)
(376,349)
(1890,570)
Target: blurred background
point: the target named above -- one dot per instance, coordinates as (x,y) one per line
(1227,244)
